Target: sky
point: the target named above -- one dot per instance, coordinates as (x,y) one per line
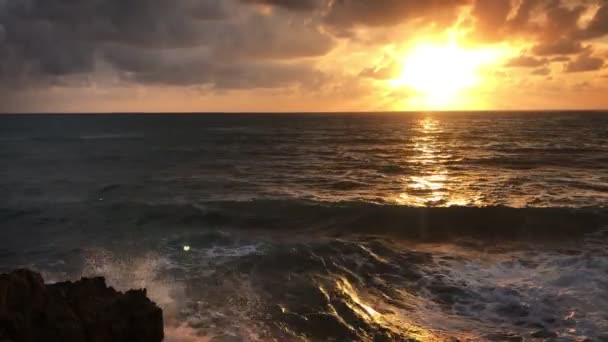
(302,55)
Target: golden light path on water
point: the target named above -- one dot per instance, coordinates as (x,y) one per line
(430,185)
(381,315)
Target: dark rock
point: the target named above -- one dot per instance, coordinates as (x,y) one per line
(82,311)
(227,338)
(543,334)
(504,337)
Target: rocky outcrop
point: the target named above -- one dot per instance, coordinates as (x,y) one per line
(83,311)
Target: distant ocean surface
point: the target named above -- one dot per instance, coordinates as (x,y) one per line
(486,226)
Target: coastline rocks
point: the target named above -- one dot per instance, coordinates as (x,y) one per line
(81,311)
(544,334)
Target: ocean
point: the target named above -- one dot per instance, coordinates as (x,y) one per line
(484,226)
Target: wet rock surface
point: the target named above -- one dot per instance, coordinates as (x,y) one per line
(81,311)
(543,334)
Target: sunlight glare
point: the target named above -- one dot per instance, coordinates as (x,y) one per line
(440,74)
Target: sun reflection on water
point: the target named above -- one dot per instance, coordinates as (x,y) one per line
(387,318)
(430,185)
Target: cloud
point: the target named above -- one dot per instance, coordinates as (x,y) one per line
(162,23)
(560,59)
(598,26)
(553,26)
(559,47)
(379,73)
(52,38)
(583,63)
(43,41)
(541,72)
(496,21)
(526,62)
(270,44)
(295,5)
(342,15)
(561,20)
(386,68)
(257,37)
(345,14)
(581,86)
(250,75)
(490,19)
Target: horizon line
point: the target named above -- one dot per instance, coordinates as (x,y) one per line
(310,112)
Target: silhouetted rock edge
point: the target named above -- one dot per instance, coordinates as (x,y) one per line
(85,310)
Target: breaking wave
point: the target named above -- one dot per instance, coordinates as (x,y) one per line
(300,270)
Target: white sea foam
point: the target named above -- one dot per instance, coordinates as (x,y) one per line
(561,291)
(185,303)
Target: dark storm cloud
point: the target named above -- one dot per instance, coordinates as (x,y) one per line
(2,33)
(138,22)
(297,5)
(347,13)
(200,67)
(45,40)
(233,76)
(58,37)
(261,37)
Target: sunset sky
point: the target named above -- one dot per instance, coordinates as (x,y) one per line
(302,55)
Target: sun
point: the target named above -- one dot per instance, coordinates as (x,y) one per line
(439,75)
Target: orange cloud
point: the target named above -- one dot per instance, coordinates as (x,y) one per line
(296,48)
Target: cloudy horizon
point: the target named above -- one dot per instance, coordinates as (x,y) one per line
(306,55)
